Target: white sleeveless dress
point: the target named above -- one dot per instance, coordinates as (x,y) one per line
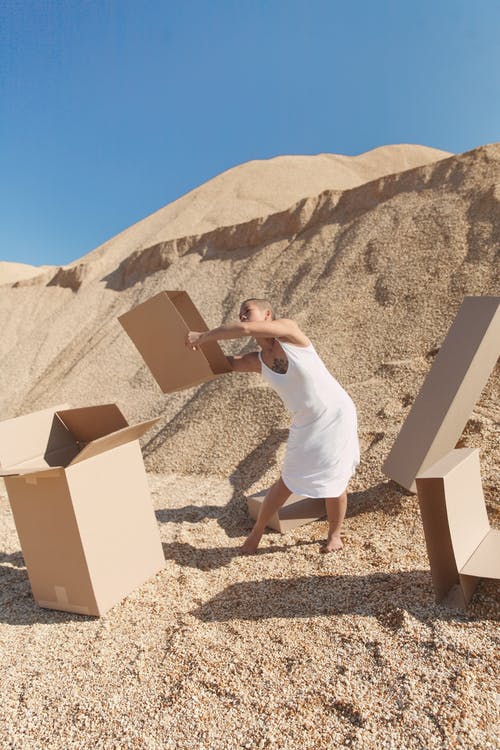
(322,451)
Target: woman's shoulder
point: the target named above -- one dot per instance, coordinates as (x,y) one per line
(294,334)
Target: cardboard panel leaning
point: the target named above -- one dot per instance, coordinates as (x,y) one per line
(79,496)
(461,545)
(449,392)
(158,328)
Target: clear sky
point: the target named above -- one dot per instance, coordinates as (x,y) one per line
(111,109)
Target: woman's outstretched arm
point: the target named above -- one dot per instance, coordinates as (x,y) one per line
(283,328)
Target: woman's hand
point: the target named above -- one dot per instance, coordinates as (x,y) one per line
(193,340)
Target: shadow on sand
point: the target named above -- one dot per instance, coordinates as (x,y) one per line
(217,557)
(17,606)
(385,596)
(298,597)
(233,517)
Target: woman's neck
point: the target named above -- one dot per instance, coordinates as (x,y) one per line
(266,344)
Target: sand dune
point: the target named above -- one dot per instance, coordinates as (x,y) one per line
(12,272)
(260,188)
(288,647)
(245,192)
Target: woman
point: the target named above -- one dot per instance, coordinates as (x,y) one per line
(322,449)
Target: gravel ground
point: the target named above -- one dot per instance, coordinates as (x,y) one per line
(284,648)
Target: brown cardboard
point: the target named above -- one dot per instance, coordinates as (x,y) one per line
(92,422)
(107,442)
(30,436)
(450,391)
(296,511)
(87,528)
(461,545)
(158,328)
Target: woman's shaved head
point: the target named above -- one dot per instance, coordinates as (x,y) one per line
(262,304)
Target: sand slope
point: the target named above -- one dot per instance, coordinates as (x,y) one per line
(374,274)
(288,648)
(242,193)
(263,187)
(12,272)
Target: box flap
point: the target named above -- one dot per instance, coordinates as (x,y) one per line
(56,460)
(34,435)
(465,507)
(16,471)
(107,442)
(158,328)
(91,422)
(447,463)
(485,560)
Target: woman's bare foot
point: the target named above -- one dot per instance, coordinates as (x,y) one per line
(249,546)
(333,543)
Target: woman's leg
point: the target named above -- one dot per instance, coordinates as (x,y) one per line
(335,511)
(275,498)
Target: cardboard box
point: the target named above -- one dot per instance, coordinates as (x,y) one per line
(158,328)
(296,511)
(461,545)
(79,495)
(450,391)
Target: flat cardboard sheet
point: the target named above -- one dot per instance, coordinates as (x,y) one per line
(485,560)
(158,328)
(31,436)
(91,422)
(296,511)
(449,392)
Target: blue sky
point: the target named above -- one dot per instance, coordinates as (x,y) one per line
(111,109)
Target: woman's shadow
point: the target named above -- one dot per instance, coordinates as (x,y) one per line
(387,596)
(235,520)
(233,516)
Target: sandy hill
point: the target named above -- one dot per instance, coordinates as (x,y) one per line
(374,274)
(12,272)
(288,648)
(263,187)
(249,191)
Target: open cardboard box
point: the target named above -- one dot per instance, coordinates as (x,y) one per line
(81,504)
(296,511)
(158,328)
(461,545)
